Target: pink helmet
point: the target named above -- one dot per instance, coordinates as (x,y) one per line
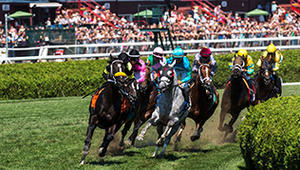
(205,52)
(158,52)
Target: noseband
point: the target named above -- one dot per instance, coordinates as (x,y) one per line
(203,80)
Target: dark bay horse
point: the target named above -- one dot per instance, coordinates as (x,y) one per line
(264,83)
(203,106)
(110,106)
(235,97)
(145,105)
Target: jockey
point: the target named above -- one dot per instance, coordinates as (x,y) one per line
(183,71)
(138,65)
(247,71)
(153,61)
(276,59)
(205,57)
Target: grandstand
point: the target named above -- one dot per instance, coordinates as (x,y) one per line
(93,22)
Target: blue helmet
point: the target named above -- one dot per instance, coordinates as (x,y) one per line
(178,52)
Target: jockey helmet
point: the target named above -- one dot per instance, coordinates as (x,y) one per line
(158,52)
(178,52)
(242,53)
(134,54)
(205,52)
(271,48)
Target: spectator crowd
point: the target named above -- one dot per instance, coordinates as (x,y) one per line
(91,27)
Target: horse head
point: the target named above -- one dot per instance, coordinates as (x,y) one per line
(237,67)
(265,71)
(167,76)
(204,75)
(120,78)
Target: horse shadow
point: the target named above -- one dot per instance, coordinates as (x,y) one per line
(108,163)
(127,153)
(170,157)
(194,150)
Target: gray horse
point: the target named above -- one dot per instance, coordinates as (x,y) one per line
(170,110)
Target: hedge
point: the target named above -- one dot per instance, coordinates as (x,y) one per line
(269,137)
(76,78)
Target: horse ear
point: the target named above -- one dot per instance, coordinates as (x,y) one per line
(163,62)
(173,64)
(111,58)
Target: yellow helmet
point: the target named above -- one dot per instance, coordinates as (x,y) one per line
(243,53)
(271,48)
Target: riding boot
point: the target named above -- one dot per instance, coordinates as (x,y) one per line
(191,81)
(277,87)
(211,92)
(186,92)
(252,93)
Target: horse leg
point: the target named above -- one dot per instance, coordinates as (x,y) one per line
(143,132)
(224,110)
(228,127)
(163,136)
(153,120)
(173,130)
(88,140)
(109,136)
(179,135)
(137,125)
(124,132)
(197,132)
(159,130)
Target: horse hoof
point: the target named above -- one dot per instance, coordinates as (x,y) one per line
(228,128)
(160,142)
(128,143)
(101,152)
(140,138)
(195,137)
(243,118)
(160,156)
(121,144)
(221,129)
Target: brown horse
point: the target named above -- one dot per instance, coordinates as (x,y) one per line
(264,83)
(110,106)
(145,105)
(235,97)
(203,103)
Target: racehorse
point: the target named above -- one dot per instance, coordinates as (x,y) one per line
(146,100)
(236,96)
(203,106)
(264,83)
(110,106)
(170,109)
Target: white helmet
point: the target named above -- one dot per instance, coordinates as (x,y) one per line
(158,52)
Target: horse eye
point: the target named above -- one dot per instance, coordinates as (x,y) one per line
(170,73)
(160,72)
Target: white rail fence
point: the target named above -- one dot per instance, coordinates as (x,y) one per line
(104,50)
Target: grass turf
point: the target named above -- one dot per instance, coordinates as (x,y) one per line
(49,134)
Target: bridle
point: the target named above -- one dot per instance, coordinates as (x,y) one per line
(204,79)
(119,84)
